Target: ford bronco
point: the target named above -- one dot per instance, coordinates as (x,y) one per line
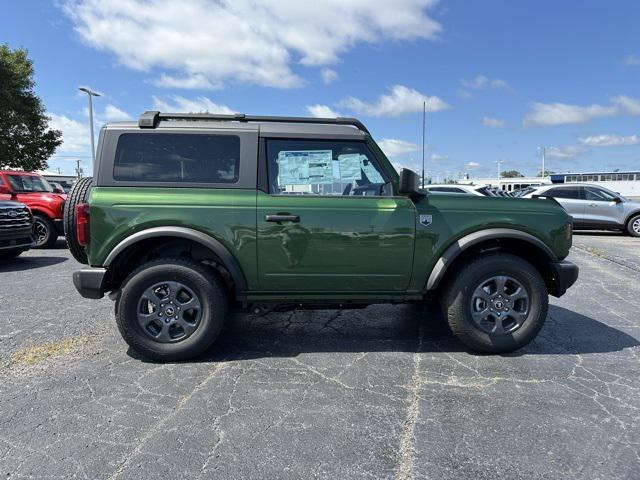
(190,215)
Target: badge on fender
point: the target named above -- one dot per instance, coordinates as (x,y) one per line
(426,220)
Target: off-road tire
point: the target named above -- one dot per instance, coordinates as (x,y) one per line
(630,226)
(206,285)
(78,194)
(456,302)
(51,235)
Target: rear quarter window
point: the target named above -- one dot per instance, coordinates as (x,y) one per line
(177,158)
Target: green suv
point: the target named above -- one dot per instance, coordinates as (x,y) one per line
(191,215)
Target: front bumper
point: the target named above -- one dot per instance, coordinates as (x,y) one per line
(565,274)
(89,282)
(22,238)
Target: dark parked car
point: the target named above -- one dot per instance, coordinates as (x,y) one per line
(16,229)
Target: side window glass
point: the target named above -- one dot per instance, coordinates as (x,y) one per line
(316,167)
(568,192)
(597,195)
(177,158)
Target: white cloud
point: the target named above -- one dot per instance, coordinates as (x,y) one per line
(561,113)
(204,43)
(435,157)
(187,82)
(471,165)
(328,75)
(393,147)
(628,105)
(400,101)
(75,135)
(481,82)
(610,140)
(544,114)
(566,152)
(322,111)
(178,103)
(631,60)
(492,122)
(113,113)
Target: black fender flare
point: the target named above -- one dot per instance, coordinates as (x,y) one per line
(462,244)
(227,259)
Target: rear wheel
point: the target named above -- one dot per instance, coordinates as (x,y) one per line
(78,194)
(44,231)
(496,304)
(633,226)
(171,309)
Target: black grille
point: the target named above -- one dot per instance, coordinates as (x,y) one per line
(14,217)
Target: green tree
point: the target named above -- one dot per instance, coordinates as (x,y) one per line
(511,174)
(26,141)
(546,173)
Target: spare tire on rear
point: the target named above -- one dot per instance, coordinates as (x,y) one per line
(78,194)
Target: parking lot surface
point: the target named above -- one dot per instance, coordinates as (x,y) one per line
(384,392)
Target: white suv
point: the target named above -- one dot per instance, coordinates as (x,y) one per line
(593,207)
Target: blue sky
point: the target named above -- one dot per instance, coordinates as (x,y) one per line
(500,77)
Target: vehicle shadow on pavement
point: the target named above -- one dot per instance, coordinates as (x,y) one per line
(29,263)
(400,329)
(571,333)
(61,244)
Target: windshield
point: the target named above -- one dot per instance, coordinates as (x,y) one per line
(29,183)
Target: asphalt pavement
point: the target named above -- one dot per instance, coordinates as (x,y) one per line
(384,392)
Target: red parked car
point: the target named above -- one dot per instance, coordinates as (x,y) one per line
(46,203)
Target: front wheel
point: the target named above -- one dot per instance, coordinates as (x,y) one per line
(44,230)
(496,304)
(171,309)
(633,226)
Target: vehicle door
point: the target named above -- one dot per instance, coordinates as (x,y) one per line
(601,208)
(328,220)
(571,198)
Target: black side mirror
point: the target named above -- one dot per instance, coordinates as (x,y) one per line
(58,190)
(409,184)
(617,200)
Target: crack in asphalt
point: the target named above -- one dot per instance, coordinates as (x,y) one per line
(404,469)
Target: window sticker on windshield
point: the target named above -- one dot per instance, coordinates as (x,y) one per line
(304,167)
(349,167)
(370,171)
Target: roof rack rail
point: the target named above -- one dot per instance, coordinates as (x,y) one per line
(150,119)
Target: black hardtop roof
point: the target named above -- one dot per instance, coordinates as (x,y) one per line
(151,119)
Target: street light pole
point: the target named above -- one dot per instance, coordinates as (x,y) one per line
(544,154)
(424,128)
(90,93)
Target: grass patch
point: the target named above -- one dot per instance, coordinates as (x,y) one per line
(41,352)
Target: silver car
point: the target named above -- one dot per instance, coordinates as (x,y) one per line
(593,207)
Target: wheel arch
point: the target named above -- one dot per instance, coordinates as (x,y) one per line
(517,242)
(630,216)
(157,239)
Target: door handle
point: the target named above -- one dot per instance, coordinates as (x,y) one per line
(593,205)
(282,218)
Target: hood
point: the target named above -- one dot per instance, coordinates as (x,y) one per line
(44,196)
(10,204)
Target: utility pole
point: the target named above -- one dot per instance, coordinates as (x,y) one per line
(544,154)
(79,171)
(91,94)
(499,162)
(424,129)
